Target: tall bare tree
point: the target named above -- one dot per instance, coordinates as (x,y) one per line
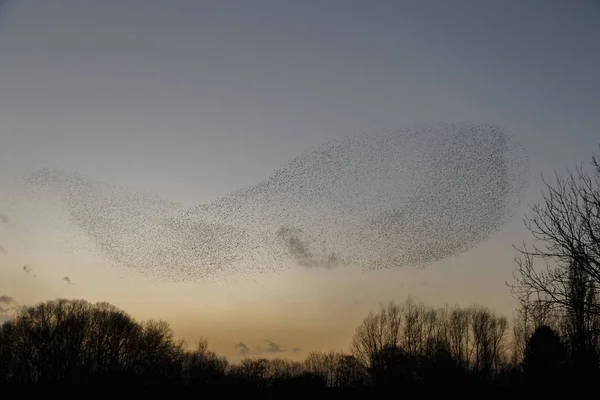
(378,332)
(566,223)
(566,226)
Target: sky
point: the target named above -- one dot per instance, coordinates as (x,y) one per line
(194,99)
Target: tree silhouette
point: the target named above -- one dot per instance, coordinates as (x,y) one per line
(377,333)
(203,366)
(567,226)
(66,342)
(73,341)
(545,357)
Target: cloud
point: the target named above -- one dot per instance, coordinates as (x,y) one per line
(271,348)
(68,280)
(4,299)
(244,350)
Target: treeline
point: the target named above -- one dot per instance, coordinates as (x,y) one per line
(407,346)
(75,342)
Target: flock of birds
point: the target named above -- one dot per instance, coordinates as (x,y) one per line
(386,200)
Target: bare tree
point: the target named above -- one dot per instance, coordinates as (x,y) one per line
(349,372)
(74,341)
(460,336)
(498,329)
(414,314)
(252,370)
(489,340)
(480,324)
(202,365)
(323,365)
(282,369)
(523,328)
(377,332)
(567,225)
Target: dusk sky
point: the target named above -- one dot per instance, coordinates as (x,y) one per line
(192,99)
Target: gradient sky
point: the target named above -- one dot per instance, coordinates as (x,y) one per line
(192,99)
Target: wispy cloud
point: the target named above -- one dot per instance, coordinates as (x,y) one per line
(271,348)
(244,350)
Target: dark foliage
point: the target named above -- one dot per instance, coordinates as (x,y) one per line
(67,344)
